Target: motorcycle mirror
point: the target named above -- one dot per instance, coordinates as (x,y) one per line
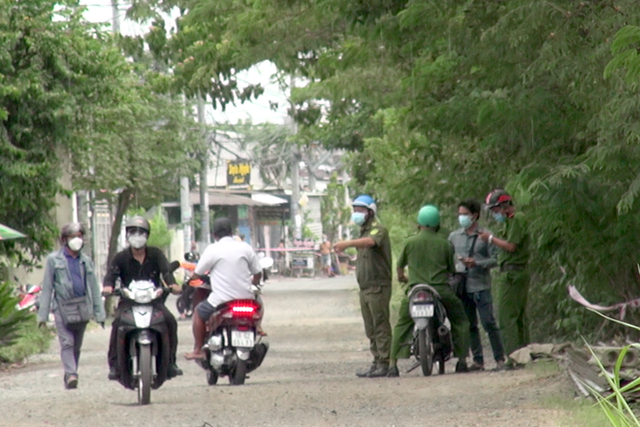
(174,266)
(266,262)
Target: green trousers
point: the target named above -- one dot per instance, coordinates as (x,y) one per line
(512,288)
(374,303)
(403,330)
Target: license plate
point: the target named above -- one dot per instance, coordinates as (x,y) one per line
(422,310)
(242,339)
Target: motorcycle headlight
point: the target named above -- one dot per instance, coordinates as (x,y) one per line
(144,296)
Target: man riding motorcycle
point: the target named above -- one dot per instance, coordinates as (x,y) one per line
(230,264)
(140,262)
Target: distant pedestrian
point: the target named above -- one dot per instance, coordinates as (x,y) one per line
(70,287)
(325,253)
(373,272)
(475,259)
(512,285)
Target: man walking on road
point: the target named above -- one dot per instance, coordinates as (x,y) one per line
(512,285)
(373,272)
(430,261)
(476,258)
(69,283)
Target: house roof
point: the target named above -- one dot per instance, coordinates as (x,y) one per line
(225,199)
(268,199)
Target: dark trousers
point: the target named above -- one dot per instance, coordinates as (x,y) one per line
(172,328)
(481,303)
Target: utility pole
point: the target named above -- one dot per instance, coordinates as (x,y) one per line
(295,177)
(115,20)
(295,193)
(205,233)
(185,202)
(185,212)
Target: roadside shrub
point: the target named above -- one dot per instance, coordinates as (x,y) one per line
(19,334)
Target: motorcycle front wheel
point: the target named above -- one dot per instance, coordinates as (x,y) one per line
(441,364)
(146,376)
(425,351)
(212,377)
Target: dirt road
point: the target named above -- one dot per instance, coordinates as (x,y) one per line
(317,343)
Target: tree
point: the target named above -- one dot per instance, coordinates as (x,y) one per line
(450,100)
(140,155)
(54,68)
(440,101)
(335,211)
(270,146)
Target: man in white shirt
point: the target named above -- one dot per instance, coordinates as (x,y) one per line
(231,265)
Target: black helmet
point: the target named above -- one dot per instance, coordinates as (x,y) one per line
(496,198)
(71,228)
(138,222)
(191,257)
(222,228)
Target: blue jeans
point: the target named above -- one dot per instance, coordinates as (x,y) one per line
(481,302)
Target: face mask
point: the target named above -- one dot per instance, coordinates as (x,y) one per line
(358,218)
(137,241)
(465,221)
(75,244)
(499,217)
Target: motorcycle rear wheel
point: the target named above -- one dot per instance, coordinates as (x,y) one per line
(425,350)
(146,376)
(239,374)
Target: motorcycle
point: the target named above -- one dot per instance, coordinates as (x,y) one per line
(432,331)
(143,350)
(29,298)
(233,347)
(184,303)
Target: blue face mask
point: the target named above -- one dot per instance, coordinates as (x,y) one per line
(465,221)
(499,217)
(358,218)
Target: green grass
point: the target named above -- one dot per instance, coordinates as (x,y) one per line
(32,340)
(576,412)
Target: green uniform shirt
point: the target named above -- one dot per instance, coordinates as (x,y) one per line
(515,231)
(430,258)
(373,266)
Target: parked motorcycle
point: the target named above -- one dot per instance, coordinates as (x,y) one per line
(143,350)
(432,331)
(29,297)
(233,347)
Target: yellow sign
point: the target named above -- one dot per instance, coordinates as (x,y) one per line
(238,174)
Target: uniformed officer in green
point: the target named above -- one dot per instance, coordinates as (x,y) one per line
(512,285)
(430,258)
(373,272)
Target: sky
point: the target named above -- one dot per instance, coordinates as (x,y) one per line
(257,110)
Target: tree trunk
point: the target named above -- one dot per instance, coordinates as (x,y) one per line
(124,200)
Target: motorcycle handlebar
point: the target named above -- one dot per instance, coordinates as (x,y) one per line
(118,292)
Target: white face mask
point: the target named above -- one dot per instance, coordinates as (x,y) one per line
(137,241)
(75,244)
